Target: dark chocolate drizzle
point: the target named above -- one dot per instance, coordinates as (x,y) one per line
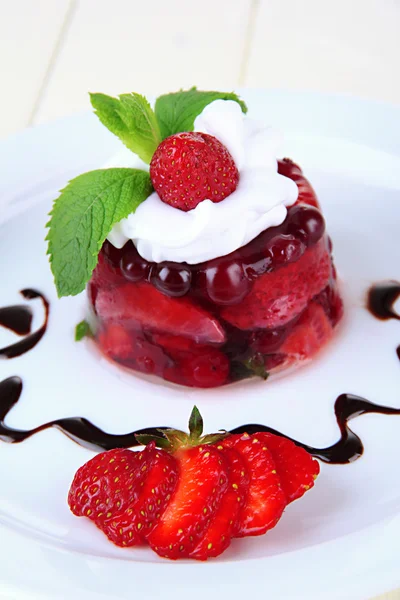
(381,298)
(19,319)
(16,318)
(347,449)
(78,429)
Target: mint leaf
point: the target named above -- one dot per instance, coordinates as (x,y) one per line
(177,112)
(131,118)
(82,217)
(82,330)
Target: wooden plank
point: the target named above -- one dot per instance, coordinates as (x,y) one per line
(150,47)
(339,46)
(28,35)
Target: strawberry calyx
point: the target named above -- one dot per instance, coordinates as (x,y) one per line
(173,440)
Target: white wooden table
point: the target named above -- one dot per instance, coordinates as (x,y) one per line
(52,52)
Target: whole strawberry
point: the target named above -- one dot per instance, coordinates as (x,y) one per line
(188,168)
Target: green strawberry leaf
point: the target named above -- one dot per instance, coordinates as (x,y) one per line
(82,330)
(82,217)
(144,438)
(131,118)
(195,423)
(177,112)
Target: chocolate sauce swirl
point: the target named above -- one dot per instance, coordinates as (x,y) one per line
(347,449)
(381,298)
(19,320)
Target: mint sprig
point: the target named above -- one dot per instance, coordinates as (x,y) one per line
(177,112)
(131,118)
(82,217)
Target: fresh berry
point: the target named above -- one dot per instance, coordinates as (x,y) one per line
(173,279)
(266,500)
(134,524)
(115,341)
(108,484)
(296,468)
(143,305)
(202,484)
(306,224)
(226,283)
(306,195)
(188,168)
(312,331)
(277,297)
(132,349)
(331,302)
(202,368)
(133,266)
(225,523)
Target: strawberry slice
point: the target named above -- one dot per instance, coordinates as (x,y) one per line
(266,500)
(277,297)
(140,517)
(142,305)
(130,348)
(311,332)
(296,468)
(106,485)
(225,523)
(202,483)
(307,194)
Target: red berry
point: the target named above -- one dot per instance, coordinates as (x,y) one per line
(311,332)
(296,468)
(173,279)
(306,195)
(226,521)
(136,522)
(226,283)
(278,297)
(188,168)
(108,484)
(142,304)
(266,500)
(202,484)
(205,368)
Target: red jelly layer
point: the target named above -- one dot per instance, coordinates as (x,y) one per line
(267,306)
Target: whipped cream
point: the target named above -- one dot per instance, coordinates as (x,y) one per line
(163,233)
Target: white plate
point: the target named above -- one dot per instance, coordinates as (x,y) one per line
(343,538)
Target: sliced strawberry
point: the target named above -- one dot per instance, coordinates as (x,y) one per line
(277,297)
(175,343)
(132,349)
(202,483)
(142,304)
(225,523)
(310,333)
(106,485)
(296,468)
(116,342)
(266,500)
(140,517)
(307,194)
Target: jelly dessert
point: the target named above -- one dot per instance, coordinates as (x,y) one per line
(212,267)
